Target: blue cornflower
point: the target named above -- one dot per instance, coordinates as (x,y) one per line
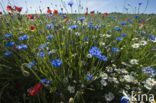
(23,46)
(139,21)
(151,37)
(115,49)
(41,54)
(143,32)
(119,38)
(123,34)
(139,3)
(7,53)
(9,44)
(117,29)
(103,58)
(108,31)
(136,17)
(86,38)
(148,70)
(74,26)
(94,51)
(24,37)
(56,63)
(43,46)
(90,24)
(89,77)
(130,20)
(70,3)
(49,26)
(124,100)
(8,35)
(50,37)
(47,82)
(123,23)
(31,64)
(81,18)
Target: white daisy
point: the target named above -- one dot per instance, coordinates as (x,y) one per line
(128,78)
(102,43)
(109,97)
(108,36)
(109,69)
(71,89)
(151,81)
(147,86)
(77,33)
(136,45)
(89,56)
(142,42)
(103,82)
(134,61)
(104,76)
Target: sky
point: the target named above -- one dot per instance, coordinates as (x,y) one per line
(123,6)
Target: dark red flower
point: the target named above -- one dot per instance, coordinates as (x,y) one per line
(65,20)
(143,21)
(106,13)
(55,12)
(92,12)
(19,9)
(86,13)
(32,27)
(36,89)
(0,13)
(31,16)
(9,8)
(49,11)
(37,16)
(102,16)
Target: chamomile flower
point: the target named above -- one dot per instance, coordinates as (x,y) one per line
(128,78)
(103,82)
(148,86)
(104,76)
(142,42)
(109,97)
(71,89)
(151,81)
(136,45)
(89,56)
(109,69)
(102,43)
(134,61)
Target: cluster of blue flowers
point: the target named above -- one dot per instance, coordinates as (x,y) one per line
(24,37)
(95,51)
(22,46)
(56,63)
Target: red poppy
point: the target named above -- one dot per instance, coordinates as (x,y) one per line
(92,12)
(31,16)
(102,16)
(106,13)
(19,9)
(37,16)
(9,8)
(32,27)
(36,89)
(86,13)
(65,20)
(0,13)
(55,12)
(49,11)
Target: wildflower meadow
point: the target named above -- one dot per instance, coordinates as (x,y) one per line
(69,57)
